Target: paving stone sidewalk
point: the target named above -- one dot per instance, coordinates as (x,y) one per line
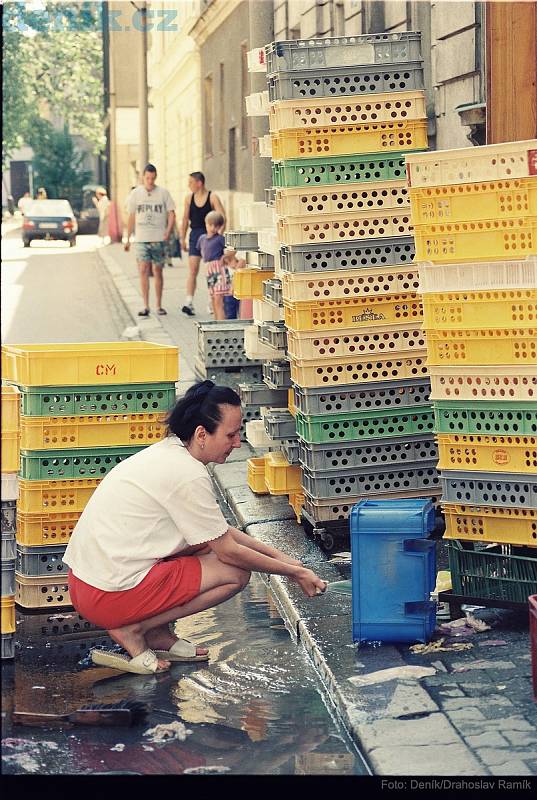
(475,716)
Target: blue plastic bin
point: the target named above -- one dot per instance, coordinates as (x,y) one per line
(393,570)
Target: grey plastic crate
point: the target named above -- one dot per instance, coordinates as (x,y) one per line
(8,577)
(54,625)
(241,240)
(380,454)
(270,196)
(329,256)
(8,645)
(291,450)
(262,395)
(39,561)
(345,82)
(221,343)
(280,425)
(489,489)
(277,374)
(277,335)
(368,397)
(9,516)
(9,547)
(379,48)
(272,291)
(231,376)
(266,261)
(368,482)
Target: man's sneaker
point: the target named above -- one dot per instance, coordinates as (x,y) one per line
(188,310)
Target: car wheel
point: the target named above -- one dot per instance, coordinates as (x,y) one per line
(72,242)
(26,243)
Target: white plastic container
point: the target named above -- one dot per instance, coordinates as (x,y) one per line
(478,275)
(254,348)
(257,60)
(267,241)
(257,215)
(266,312)
(10,486)
(256,435)
(265,146)
(257,104)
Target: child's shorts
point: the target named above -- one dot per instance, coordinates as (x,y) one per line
(218,279)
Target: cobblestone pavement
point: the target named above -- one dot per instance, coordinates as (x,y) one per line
(474,716)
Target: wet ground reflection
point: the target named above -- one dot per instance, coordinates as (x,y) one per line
(253,709)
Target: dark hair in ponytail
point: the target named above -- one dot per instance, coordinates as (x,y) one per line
(200,406)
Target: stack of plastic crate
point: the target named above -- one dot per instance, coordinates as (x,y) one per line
(475,218)
(355,340)
(84,408)
(10,465)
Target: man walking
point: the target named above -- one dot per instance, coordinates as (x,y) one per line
(152,210)
(198,202)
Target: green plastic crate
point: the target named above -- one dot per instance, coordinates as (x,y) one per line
(338,170)
(486,418)
(46,465)
(331,428)
(500,572)
(66,401)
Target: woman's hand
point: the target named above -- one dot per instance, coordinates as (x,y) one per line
(309,582)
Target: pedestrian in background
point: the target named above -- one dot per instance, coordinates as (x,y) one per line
(41,194)
(152,213)
(231,304)
(211,245)
(102,204)
(198,203)
(24,202)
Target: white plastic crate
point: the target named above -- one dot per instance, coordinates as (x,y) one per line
(265,146)
(266,312)
(256,435)
(478,275)
(10,486)
(255,349)
(257,104)
(267,241)
(357,197)
(257,60)
(257,215)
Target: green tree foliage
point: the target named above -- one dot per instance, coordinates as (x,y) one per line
(57,164)
(52,59)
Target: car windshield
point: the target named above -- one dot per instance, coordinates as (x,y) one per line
(49,208)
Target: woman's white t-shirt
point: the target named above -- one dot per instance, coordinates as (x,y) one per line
(154,504)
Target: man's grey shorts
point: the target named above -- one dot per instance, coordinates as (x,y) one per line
(151,251)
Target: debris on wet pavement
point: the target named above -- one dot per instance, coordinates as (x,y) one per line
(392,673)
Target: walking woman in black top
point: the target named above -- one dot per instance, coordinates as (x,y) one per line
(198,202)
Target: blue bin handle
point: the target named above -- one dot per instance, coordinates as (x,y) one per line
(418,545)
(420,607)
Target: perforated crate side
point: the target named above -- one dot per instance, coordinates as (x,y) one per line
(364,312)
(343,284)
(46,592)
(487,453)
(482,347)
(60,464)
(365,425)
(393,340)
(331,510)
(277,375)
(484,383)
(415,477)
(346,399)
(482,417)
(488,489)
(497,573)
(506,307)
(354,197)
(52,497)
(55,401)
(9,516)
(487,239)
(517,526)
(338,170)
(383,453)
(478,275)
(336,372)
(280,425)
(329,256)
(53,528)
(41,561)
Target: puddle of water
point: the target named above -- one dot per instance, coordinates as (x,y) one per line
(253,709)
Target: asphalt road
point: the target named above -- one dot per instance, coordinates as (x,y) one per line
(54,293)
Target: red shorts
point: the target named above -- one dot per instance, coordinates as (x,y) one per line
(168,584)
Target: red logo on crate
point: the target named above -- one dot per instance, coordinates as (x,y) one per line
(105,369)
(501,456)
(532,162)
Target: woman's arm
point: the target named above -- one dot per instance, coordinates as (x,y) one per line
(253,544)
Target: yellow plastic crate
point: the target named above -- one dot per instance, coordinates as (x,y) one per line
(41,592)
(332,372)
(291,401)
(51,497)
(359,312)
(321,111)
(45,433)
(296,501)
(493,308)
(10,411)
(249,283)
(463,202)
(392,340)
(46,529)
(280,476)
(7,607)
(89,363)
(352,198)
(339,285)
(481,347)
(10,452)
(487,453)
(344,227)
(491,162)
(373,137)
(256,475)
(516,526)
(484,383)
(487,239)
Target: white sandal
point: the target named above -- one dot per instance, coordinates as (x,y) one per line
(182,650)
(144,664)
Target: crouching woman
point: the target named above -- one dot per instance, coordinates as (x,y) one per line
(152,545)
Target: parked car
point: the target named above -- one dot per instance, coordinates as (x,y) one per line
(49,219)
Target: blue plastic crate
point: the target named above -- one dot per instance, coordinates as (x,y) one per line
(393,570)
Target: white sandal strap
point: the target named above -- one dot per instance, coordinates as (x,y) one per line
(183,647)
(147,659)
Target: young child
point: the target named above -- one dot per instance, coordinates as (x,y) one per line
(211,246)
(231,304)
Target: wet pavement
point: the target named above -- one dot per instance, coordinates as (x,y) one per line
(254,709)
